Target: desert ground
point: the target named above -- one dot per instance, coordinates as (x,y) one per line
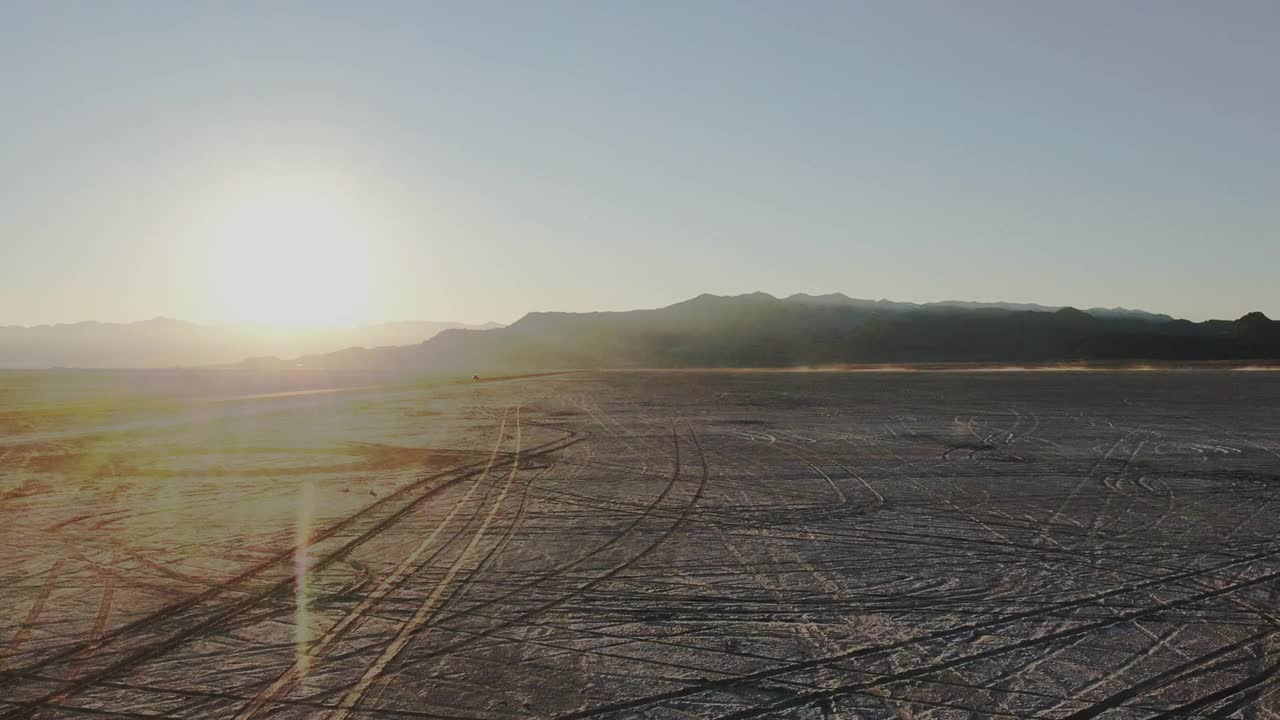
(641,545)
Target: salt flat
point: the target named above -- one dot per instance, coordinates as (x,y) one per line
(641,544)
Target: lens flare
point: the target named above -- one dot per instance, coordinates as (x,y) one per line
(301,576)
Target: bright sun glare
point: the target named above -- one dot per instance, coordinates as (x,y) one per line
(291,252)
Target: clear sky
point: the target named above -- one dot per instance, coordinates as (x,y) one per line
(472,161)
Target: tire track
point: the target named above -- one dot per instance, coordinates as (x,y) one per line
(914,673)
(27,625)
(611,574)
(422,615)
(219,615)
(302,665)
(944,634)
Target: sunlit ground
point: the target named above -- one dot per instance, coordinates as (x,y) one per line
(117,498)
(728,544)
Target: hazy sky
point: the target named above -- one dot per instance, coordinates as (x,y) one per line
(531,155)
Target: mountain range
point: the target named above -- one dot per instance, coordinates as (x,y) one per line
(842,300)
(760,330)
(165,342)
(752,330)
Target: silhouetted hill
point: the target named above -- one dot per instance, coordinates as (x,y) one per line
(840,299)
(759,330)
(1256,321)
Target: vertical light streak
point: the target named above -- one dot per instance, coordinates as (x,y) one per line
(301,570)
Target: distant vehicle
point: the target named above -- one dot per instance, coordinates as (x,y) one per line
(475,377)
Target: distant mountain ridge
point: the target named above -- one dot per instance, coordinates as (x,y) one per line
(760,330)
(166,342)
(842,299)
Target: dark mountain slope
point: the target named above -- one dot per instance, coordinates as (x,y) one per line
(759,330)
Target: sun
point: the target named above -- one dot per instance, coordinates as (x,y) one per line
(291,252)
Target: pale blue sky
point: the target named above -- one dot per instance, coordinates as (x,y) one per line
(605,155)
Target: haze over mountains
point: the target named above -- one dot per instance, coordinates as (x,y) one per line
(759,330)
(752,330)
(165,342)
